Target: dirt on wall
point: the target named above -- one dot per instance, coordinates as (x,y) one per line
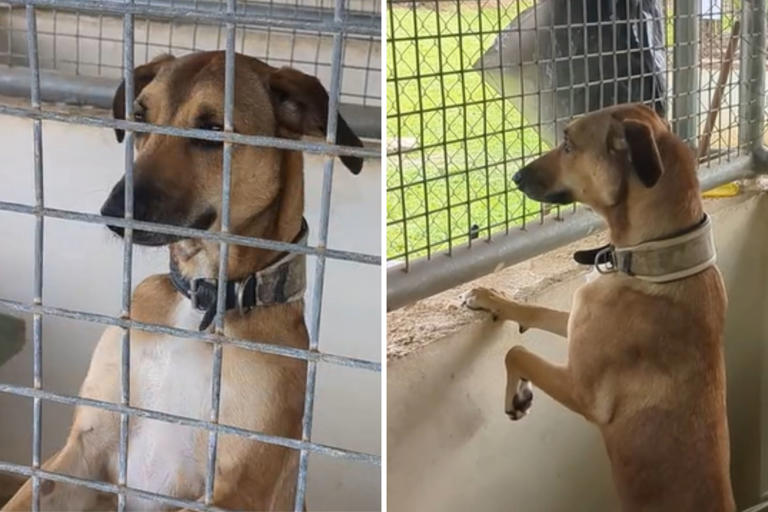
(419,324)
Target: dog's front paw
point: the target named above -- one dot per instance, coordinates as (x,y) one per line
(479,299)
(521,401)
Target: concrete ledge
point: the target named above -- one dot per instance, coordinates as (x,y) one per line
(428,320)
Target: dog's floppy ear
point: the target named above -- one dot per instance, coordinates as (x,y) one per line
(142,76)
(301,108)
(637,137)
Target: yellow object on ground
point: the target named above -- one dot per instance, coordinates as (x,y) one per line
(727,190)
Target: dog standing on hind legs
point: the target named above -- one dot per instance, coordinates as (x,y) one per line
(645,345)
(178,181)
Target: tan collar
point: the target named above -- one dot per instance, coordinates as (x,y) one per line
(658,261)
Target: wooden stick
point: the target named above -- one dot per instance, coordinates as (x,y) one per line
(714,108)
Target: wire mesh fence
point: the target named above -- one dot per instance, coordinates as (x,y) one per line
(478,88)
(109,39)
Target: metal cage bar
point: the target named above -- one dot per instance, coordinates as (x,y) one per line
(254,15)
(445,190)
(686,79)
(259,346)
(195,133)
(37,319)
(221,292)
(125,348)
(341,25)
(317,299)
(261,243)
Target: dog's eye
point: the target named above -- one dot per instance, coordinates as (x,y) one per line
(566,146)
(139,116)
(203,143)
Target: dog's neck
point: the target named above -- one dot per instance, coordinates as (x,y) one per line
(668,208)
(280,221)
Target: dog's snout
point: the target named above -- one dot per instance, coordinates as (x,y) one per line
(114,206)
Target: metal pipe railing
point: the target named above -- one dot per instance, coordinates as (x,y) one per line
(258,14)
(58,87)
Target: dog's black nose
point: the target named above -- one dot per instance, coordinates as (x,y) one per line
(518,177)
(114,206)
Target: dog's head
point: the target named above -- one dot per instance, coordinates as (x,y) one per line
(177,180)
(603,155)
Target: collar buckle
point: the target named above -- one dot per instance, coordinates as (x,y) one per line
(240,287)
(196,289)
(605,261)
(193,292)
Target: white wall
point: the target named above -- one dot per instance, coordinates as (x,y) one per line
(82,271)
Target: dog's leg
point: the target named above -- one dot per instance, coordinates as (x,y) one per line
(526,316)
(91,441)
(524,368)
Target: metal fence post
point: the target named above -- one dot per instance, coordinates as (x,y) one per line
(125,347)
(37,318)
(753,82)
(686,76)
(317,292)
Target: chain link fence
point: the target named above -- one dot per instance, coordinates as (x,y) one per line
(478,88)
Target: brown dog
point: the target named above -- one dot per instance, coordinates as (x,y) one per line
(178,181)
(645,349)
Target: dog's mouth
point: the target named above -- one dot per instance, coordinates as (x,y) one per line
(537,194)
(154,239)
(562,197)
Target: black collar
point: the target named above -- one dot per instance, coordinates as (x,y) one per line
(281,282)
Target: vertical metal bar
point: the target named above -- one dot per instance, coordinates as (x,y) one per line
(37,319)
(422,130)
(745,72)
(585,42)
(465,117)
(317,291)
(125,355)
(399,133)
(100,43)
(55,64)
(77,42)
(686,79)
(629,26)
(615,51)
(753,109)
(521,128)
(502,104)
(226,180)
(444,116)
(10,34)
(485,130)
(600,64)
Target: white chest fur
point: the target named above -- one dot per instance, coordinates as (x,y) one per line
(171,375)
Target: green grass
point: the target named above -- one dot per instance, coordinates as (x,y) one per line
(452,137)
(460,142)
